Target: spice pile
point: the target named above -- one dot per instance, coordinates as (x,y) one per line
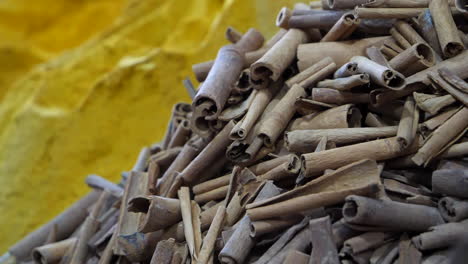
(339,140)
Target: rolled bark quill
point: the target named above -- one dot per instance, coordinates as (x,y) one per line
(345,4)
(441,136)
(452,84)
(303,141)
(240,243)
(425,26)
(346,70)
(450,42)
(397,3)
(341,51)
(452,209)
(97,182)
(53,252)
(390,214)
(186,212)
(163,252)
(408,125)
(319,192)
(343,28)
(321,19)
(323,247)
(345,83)
(262,227)
(414,59)
(213,93)
(210,238)
(181,135)
(332,96)
(441,236)
(380,74)
(461,6)
(378,13)
(366,241)
(159,212)
(451,182)
(338,117)
(277,59)
(310,71)
(432,103)
(382,149)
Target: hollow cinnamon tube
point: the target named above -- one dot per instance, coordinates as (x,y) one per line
(318,76)
(449,39)
(373,120)
(323,248)
(340,51)
(425,26)
(451,182)
(345,4)
(343,28)
(434,122)
(414,59)
(442,136)
(409,33)
(208,155)
(280,116)
(262,227)
(163,252)
(452,209)
(332,96)
(321,19)
(98,182)
(338,117)
(345,83)
(165,157)
(159,212)
(303,141)
(215,194)
(382,149)
(232,35)
(238,247)
(298,78)
(373,13)
(181,135)
(461,6)
(265,166)
(441,236)
(342,232)
(283,171)
(366,241)
(400,39)
(66,223)
(348,69)
(390,214)
(52,252)
(89,227)
(211,184)
(408,125)
(186,212)
(277,59)
(189,151)
(397,3)
(380,74)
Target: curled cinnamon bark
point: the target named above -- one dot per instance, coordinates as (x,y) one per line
(380,74)
(337,117)
(452,209)
(345,83)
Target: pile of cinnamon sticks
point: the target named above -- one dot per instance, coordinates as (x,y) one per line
(342,139)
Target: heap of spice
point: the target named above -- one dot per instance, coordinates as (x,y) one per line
(342,139)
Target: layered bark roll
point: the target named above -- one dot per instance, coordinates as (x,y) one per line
(342,232)
(378,13)
(461,6)
(215,194)
(181,135)
(345,83)
(66,223)
(418,57)
(397,3)
(238,247)
(279,117)
(208,155)
(453,182)
(296,257)
(418,81)
(256,109)
(284,171)
(380,74)
(262,227)
(398,37)
(338,117)
(159,212)
(390,214)
(343,28)
(344,4)
(189,151)
(306,106)
(382,149)
(186,212)
(163,252)
(332,96)
(165,157)
(88,228)
(320,192)
(442,136)
(341,51)
(279,57)
(210,238)
(265,166)
(322,19)
(408,32)
(323,246)
(211,184)
(318,76)
(449,39)
(304,141)
(53,252)
(425,26)
(452,209)
(431,124)
(441,236)
(346,70)
(451,83)
(366,241)
(306,73)
(432,103)
(373,120)
(407,127)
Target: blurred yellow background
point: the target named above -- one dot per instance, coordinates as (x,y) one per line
(85,84)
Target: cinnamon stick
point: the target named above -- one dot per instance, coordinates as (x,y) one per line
(453,209)
(345,83)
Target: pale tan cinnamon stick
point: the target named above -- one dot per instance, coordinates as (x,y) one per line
(373,120)
(380,74)
(345,4)
(186,211)
(345,83)
(453,79)
(304,74)
(283,171)
(181,135)
(346,70)
(265,166)
(211,184)
(318,76)
(451,182)
(398,37)
(196,224)
(53,252)
(343,28)
(408,126)
(215,194)
(233,35)
(262,227)
(449,87)
(163,252)
(453,209)
(409,33)
(425,26)
(432,103)
(414,59)
(210,238)
(442,136)
(372,13)
(304,141)
(338,117)
(332,96)
(449,40)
